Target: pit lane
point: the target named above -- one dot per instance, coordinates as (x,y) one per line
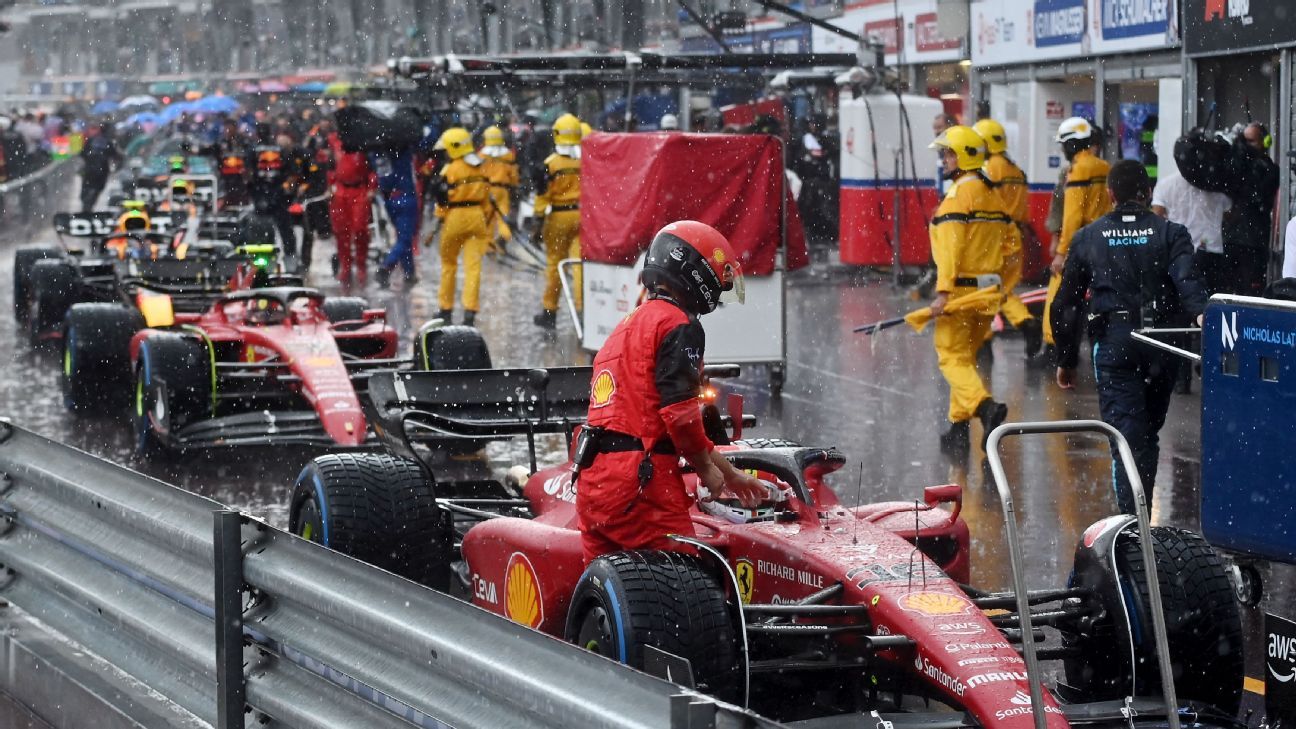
(881,400)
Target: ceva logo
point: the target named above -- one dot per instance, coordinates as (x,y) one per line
(1228,330)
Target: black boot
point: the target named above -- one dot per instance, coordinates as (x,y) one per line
(444,315)
(470,318)
(383,277)
(1033,332)
(546,319)
(957,439)
(992,414)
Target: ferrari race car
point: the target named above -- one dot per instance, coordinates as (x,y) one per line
(803,609)
(266,366)
(191,260)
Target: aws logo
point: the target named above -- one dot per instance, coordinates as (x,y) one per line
(1228,330)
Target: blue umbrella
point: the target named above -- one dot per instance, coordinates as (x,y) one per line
(107,106)
(143,117)
(216,105)
(173,112)
(310,87)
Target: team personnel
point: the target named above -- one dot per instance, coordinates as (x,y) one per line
(969,234)
(1010,182)
(464,205)
(268,189)
(557,205)
(644,413)
(1138,268)
(1084,200)
(350,214)
(395,172)
(502,169)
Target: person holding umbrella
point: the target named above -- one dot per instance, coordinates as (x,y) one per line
(969,233)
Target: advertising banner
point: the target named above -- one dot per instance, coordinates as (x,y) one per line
(1211,26)
(1027,31)
(911,37)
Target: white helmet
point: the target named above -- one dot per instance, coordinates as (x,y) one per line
(1074,128)
(669,121)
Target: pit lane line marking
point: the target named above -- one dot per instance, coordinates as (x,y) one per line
(853,380)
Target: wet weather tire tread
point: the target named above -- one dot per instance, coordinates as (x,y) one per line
(98,337)
(1203,623)
(455,347)
(759,443)
(24,259)
(382,511)
(344,308)
(53,291)
(670,602)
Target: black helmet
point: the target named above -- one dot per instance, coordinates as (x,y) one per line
(696,262)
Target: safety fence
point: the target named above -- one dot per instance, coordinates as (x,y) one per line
(241,624)
(35,197)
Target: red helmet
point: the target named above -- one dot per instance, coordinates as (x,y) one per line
(696,262)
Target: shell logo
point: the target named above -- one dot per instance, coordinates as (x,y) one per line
(602,390)
(718,255)
(522,601)
(935,603)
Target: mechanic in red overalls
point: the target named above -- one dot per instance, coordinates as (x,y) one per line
(644,411)
(349,212)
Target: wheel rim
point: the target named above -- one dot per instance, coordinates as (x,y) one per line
(310,525)
(595,634)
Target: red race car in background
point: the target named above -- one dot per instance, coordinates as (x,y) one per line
(261,366)
(803,609)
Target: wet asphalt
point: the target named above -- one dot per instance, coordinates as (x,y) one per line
(879,399)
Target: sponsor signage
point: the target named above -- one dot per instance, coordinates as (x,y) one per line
(1280,668)
(1029,31)
(1213,26)
(909,30)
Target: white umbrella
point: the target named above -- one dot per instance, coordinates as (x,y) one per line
(141,100)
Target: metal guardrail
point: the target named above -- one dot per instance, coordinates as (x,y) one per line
(237,622)
(40,174)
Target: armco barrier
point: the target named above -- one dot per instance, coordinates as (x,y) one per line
(239,623)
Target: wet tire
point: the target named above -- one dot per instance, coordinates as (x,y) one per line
(173,388)
(758,443)
(628,600)
(452,348)
(96,356)
(24,259)
(53,290)
(344,308)
(376,508)
(1203,624)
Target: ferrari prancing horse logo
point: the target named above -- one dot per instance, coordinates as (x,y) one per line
(746,575)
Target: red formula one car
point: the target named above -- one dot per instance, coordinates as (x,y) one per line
(261,366)
(803,609)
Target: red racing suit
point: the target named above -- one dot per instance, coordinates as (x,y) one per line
(645,388)
(349,211)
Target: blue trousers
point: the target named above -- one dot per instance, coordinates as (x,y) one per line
(403,211)
(1135,382)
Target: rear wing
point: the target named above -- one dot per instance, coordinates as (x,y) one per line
(408,407)
(103,223)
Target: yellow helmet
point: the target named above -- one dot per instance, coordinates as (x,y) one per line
(493,137)
(567,129)
(456,141)
(586,130)
(967,145)
(996,140)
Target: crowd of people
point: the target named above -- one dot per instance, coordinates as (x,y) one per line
(1127,252)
